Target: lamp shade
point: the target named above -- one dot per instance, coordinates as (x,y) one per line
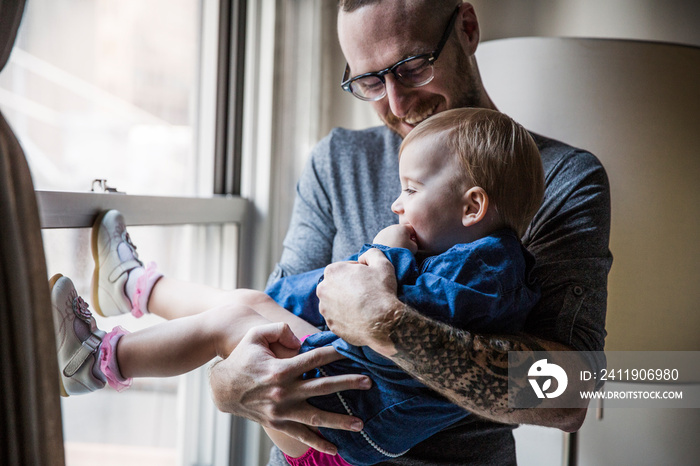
(636,105)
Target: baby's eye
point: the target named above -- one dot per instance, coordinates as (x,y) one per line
(409,191)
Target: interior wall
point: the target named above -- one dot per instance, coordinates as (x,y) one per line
(634,105)
(668,21)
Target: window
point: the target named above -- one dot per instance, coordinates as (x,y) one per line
(158,421)
(127,92)
(105,89)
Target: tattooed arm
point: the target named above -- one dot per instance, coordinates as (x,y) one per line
(470,370)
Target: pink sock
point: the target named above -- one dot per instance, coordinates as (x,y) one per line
(108,359)
(139,286)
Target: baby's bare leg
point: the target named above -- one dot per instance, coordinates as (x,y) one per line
(181,345)
(172,299)
(268,308)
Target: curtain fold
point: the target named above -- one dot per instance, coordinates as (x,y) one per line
(30,430)
(31,423)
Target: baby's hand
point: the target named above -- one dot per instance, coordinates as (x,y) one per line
(398,236)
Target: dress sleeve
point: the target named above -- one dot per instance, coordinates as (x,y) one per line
(475,289)
(297,294)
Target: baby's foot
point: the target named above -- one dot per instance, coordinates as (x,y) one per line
(77,339)
(120,282)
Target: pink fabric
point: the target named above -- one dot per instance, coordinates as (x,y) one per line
(144,286)
(108,360)
(316,458)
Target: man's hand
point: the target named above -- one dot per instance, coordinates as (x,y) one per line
(253,383)
(398,236)
(358,300)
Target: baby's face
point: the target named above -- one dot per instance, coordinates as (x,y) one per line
(429,202)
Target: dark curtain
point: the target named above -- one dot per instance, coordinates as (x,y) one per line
(30,431)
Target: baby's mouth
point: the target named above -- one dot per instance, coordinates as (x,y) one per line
(413,237)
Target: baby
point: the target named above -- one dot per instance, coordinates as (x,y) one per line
(471,182)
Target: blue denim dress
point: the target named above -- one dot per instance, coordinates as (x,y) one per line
(483,286)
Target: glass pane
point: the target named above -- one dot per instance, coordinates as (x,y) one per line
(144,425)
(107,89)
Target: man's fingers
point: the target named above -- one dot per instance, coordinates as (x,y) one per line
(307,436)
(338,383)
(312,416)
(276,332)
(315,358)
(374,258)
(319,418)
(288,339)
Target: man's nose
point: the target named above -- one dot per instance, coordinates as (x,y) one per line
(398,95)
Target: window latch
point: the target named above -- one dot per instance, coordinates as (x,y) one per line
(102,187)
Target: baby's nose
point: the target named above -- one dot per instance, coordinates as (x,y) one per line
(397,207)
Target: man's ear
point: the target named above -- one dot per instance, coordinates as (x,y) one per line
(467,27)
(475,206)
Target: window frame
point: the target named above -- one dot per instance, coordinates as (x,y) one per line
(229,439)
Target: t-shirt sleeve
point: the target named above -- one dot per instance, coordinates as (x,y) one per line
(569,239)
(308,244)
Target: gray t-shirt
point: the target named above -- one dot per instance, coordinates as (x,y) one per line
(344,198)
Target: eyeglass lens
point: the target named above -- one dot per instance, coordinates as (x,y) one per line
(413,73)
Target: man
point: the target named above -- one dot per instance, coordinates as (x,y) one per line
(343,199)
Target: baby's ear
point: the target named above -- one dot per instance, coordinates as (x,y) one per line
(475,206)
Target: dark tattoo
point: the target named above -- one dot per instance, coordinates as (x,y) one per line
(471,370)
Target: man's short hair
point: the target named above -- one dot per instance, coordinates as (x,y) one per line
(496,154)
(348,6)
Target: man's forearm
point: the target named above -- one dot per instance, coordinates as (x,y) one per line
(471,370)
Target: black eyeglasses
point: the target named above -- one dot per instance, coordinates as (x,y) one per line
(415,71)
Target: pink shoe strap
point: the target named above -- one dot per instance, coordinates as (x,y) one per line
(108,360)
(144,286)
